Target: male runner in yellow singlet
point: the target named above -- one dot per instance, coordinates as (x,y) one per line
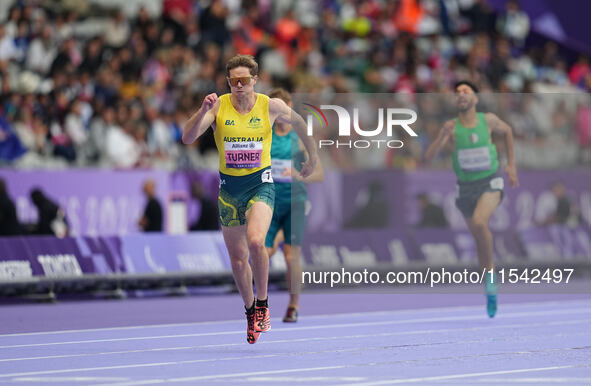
(242,122)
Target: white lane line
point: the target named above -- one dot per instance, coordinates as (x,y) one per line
(506,307)
(395,381)
(302,379)
(192,361)
(213,377)
(185,379)
(284,355)
(546,380)
(320,327)
(63,380)
(327,338)
(467,375)
(134,366)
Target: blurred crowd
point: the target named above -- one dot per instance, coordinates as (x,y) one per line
(83,85)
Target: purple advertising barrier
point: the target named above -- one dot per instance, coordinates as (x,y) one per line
(22,258)
(357,249)
(545,244)
(69,256)
(522,208)
(437,246)
(15,260)
(157,253)
(443,246)
(96,202)
(58,257)
(573,243)
(46,256)
(398,248)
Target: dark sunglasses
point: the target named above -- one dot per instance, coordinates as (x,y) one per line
(244,80)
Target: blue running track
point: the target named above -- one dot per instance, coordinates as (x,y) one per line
(340,339)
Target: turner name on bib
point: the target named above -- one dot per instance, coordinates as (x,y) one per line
(243,154)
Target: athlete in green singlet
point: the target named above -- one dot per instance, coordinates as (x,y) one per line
(476,164)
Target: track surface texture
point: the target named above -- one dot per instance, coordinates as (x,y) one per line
(340,339)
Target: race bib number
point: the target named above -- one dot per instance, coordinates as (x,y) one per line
(266,176)
(497,183)
(474,160)
(281,170)
(243,155)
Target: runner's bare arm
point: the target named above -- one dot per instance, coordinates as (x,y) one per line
(283,113)
(497,125)
(442,138)
(316,176)
(201,120)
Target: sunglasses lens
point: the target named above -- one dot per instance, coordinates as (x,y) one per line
(243,80)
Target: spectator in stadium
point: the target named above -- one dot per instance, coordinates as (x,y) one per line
(208,217)
(117,31)
(213,23)
(51,218)
(514,23)
(42,52)
(74,124)
(151,221)
(11,147)
(22,41)
(249,38)
(8,49)
(324,47)
(579,71)
(120,147)
(432,215)
(481,16)
(9,225)
(93,52)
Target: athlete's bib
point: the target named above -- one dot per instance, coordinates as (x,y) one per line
(281,170)
(241,155)
(475,159)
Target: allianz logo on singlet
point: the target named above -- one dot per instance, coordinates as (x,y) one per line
(243,145)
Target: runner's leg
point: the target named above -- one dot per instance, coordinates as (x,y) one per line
(235,239)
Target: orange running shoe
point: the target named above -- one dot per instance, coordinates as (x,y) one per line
(262,319)
(251,334)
